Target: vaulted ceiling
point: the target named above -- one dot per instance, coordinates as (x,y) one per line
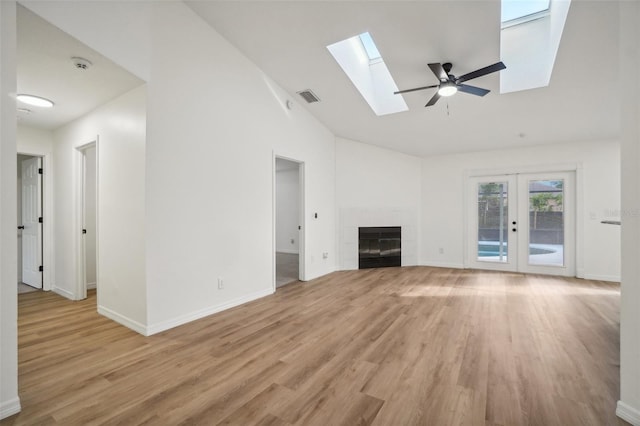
(288,39)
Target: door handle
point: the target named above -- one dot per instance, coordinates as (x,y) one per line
(514,229)
(21,227)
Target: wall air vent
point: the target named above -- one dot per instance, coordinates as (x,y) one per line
(309,96)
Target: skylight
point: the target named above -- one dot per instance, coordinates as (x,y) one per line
(529,40)
(361,60)
(369,46)
(518,11)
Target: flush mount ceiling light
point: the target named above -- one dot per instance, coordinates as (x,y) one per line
(35,101)
(447,89)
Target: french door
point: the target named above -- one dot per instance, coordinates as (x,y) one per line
(523,223)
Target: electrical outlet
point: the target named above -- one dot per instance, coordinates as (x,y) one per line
(325,255)
(441,250)
(220,284)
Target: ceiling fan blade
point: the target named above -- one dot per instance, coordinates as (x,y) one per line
(472,90)
(482,71)
(439,71)
(413,90)
(433,100)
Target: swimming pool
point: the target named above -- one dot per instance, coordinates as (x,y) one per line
(493,250)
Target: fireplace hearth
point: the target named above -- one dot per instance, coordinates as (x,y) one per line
(379,247)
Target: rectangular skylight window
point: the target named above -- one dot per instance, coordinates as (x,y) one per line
(369,46)
(516,11)
(529,42)
(360,59)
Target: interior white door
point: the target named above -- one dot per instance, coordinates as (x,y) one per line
(31,213)
(523,222)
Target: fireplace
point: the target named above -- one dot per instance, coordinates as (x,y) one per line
(379,247)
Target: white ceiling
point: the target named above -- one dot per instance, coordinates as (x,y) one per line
(44,68)
(288,39)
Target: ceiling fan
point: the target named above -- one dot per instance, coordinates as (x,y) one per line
(450,84)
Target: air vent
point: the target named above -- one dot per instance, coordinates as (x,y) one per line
(309,96)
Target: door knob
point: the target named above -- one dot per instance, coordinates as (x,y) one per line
(21,227)
(513,223)
(513,229)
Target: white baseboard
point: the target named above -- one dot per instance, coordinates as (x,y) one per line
(64,293)
(9,408)
(183,319)
(121,319)
(437,264)
(286,251)
(612,278)
(91,286)
(628,413)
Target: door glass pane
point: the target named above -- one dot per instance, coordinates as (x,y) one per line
(546,222)
(493,226)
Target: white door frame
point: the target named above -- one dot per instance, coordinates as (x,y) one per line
(47,216)
(301,214)
(79,219)
(577,168)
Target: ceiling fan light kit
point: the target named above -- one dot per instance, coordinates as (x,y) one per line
(447,89)
(450,84)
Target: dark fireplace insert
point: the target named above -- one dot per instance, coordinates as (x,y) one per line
(379,247)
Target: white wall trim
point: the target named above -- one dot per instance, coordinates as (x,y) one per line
(628,413)
(596,277)
(79,222)
(122,320)
(64,293)
(183,319)
(48,246)
(330,271)
(10,407)
(91,285)
(436,264)
(514,170)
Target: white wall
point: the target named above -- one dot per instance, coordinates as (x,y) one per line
(236,121)
(629,404)
(120,126)
(443,200)
(376,187)
(287,209)
(90,215)
(9,400)
(32,141)
(205,124)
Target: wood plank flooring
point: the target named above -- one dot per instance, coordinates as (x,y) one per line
(393,346)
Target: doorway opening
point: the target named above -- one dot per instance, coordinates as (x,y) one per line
(289,217)
(523,223)
(86,208)
(30,223)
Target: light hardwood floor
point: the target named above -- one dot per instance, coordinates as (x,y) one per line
(393,346)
